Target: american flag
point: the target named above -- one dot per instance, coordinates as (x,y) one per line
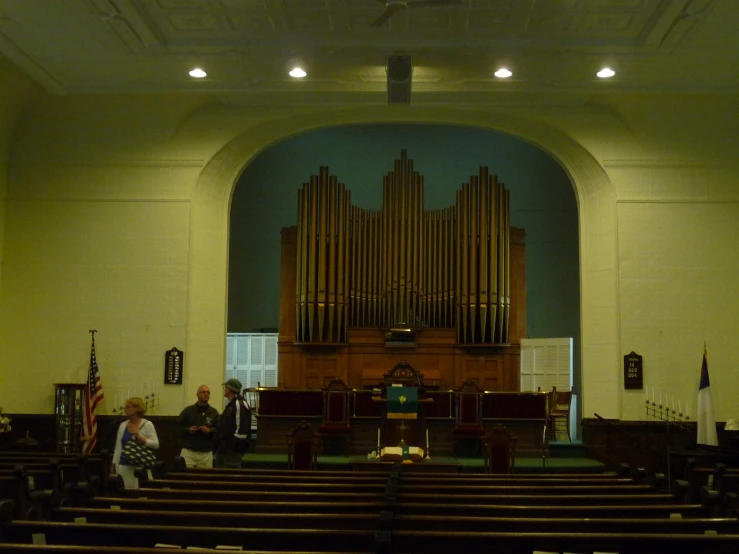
(93,395)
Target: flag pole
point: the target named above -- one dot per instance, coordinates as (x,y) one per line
(92,396)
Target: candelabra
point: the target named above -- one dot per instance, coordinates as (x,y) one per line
(151,401)
(671,418)
(667,414)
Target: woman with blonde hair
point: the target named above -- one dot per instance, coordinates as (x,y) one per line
(134,428)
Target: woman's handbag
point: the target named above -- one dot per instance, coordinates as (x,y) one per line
(136,454)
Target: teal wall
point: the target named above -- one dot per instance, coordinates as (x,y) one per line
(542,202)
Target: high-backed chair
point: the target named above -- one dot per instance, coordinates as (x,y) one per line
(499,450)
(335,426)
(468,415)
(559,415)
(303,445)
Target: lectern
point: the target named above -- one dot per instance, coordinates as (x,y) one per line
(402,406)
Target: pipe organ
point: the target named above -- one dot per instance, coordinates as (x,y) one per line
(401,265)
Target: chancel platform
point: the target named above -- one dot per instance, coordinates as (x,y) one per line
(278,411)
(435,465)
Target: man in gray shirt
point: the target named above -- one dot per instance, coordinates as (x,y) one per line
(198,424)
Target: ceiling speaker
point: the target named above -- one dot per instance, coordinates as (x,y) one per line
(399,75)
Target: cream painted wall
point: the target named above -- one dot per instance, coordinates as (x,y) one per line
(117,193)
(16,92)
(97,237)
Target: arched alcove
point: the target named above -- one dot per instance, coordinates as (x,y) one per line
(596,203)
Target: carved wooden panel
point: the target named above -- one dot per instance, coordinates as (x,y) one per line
(320,368)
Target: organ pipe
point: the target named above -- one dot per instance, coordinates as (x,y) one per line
(401,265)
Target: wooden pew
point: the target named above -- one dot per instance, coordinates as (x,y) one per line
(408,478)
(399,521)
(44,485)
(725,480)
(292,477)
(477,490)
(471,509)
(16,488)
(93,468)
(277,539)
(437,542)
(247,507)
(279,487)
(564,524)
(276,472)
(485,480)
(626,511)
(74,549)
(454,477)
(541,499)
(289,520)
(208,495)
(406,541)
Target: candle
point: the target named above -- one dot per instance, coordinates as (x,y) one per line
(687,409)
(427,441)
(679,407)
(378,441)
(673,403)
(646,395)
(652,395)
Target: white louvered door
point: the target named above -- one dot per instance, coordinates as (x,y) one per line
(252,359)
(548,363)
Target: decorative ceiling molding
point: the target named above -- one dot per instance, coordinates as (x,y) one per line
(100,46)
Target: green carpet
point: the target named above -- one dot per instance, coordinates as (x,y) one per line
(468,465)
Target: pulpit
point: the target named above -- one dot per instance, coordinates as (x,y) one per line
(403,404)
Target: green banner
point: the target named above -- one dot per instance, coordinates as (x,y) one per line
(402,402)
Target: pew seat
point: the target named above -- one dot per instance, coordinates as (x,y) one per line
(270,539)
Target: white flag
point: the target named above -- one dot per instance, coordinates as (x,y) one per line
(706,420)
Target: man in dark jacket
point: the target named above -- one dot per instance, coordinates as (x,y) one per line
(234,427)
(198,424)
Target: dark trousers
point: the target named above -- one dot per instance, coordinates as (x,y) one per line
(228,459)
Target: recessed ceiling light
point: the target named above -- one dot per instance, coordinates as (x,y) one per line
(198,73)
(606,73)
(297,72)
(503,73)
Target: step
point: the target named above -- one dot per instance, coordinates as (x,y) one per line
(567,449)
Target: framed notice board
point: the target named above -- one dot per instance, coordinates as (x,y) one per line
(633,371)
(174,361)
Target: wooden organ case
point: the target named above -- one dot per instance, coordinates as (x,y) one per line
(453,279)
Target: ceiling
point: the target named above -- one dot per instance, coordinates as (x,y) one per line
(247,46)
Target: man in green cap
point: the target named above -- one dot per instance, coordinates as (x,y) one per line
(234,427)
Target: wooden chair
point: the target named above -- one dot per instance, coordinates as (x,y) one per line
(468,415)
(499,450)
(559,415)
(335,427)
(303,444)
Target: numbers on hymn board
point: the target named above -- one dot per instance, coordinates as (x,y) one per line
(633,371)
(173,365)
